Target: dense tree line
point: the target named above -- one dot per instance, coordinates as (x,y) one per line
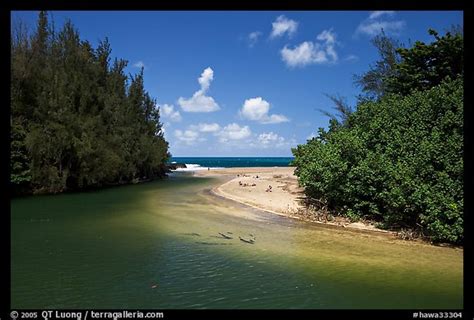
(77,120)
(398,158)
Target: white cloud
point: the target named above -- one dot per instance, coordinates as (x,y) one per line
(253,38)
(312,52)
(328,36)
(373,28)
(139,64)
(205,79)
(374,24)
(303,54)
(233,132)
(187,136)
(283,25)
(256,109)
(206,127)
(351,58)
(169,112)
(199,102)
(376,14)
(270,139)
(193,133)
(274,118)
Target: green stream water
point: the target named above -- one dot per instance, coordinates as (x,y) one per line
(157,245)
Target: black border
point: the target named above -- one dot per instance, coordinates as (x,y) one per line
(265,5)
(295,5)
(468,160)
(5,157)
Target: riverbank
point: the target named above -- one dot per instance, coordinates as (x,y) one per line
(275,190)
(171,231)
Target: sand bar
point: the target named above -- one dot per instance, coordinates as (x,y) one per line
(273,189)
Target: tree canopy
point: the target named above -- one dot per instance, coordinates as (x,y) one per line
(77,120)
(398,158)
(402,70)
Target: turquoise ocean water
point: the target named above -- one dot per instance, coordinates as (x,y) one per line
(229,162)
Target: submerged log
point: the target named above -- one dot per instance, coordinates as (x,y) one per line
(247,240)
(225,236)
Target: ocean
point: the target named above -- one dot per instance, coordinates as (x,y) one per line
(202,163)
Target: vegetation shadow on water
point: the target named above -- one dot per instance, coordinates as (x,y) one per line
(157,245)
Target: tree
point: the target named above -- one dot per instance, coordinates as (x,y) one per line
(343,109)
(424,66)
(401,70)
(400,163)
(398,158)
(373,83)
(21,99)
(76,120)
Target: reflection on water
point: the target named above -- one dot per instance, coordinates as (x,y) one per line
(159,245)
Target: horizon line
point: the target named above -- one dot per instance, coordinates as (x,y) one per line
(232,156)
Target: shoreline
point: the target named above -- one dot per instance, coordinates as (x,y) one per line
(250,186)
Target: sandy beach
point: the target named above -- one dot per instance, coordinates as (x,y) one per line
(275,190)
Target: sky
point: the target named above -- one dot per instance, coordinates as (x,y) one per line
(247,83)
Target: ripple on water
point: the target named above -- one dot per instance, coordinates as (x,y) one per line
(109,248)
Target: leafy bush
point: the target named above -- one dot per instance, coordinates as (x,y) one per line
(398,161)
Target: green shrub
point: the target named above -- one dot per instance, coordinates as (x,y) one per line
(397,161)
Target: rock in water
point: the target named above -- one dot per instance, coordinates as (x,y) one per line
(174,166)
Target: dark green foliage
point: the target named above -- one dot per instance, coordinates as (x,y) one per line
(399,163)
(426,65)
(402,70)
(397,160)
(374,83)
(342,108)
(76,120)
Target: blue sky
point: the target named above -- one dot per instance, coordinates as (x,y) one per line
(242,83)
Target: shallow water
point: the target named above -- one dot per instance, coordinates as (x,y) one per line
(157,245)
